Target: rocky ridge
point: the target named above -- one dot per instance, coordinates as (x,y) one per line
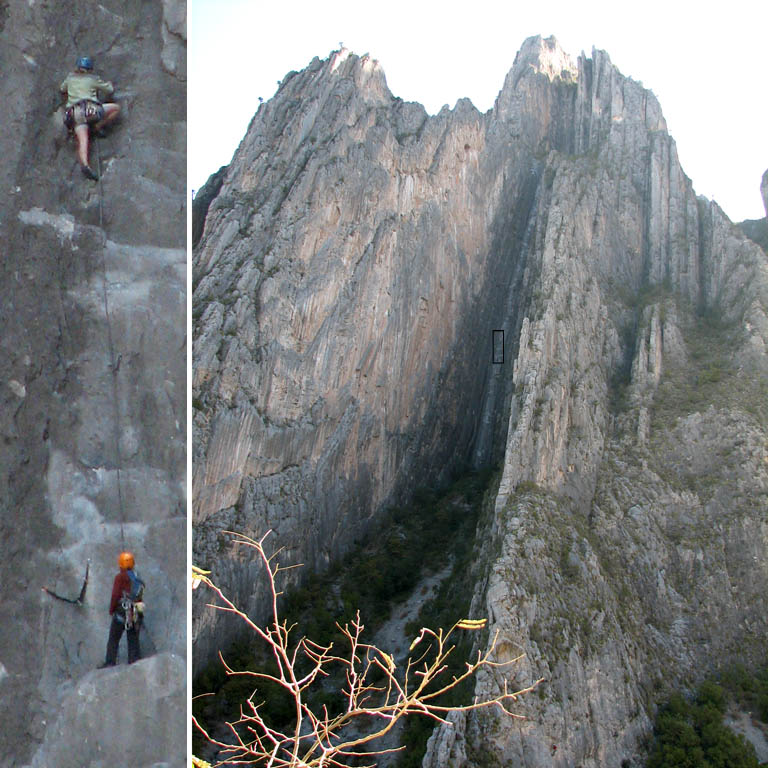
(353,264)
(92,386)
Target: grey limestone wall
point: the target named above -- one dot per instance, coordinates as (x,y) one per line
(92,383)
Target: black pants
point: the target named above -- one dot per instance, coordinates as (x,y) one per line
(115,633)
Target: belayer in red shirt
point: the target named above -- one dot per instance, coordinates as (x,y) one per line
(127,609)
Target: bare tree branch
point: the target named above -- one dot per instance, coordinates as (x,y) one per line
(316,739)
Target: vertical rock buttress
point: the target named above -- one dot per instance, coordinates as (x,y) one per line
(92,385)
(626,554)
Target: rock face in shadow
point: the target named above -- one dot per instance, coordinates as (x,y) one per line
(351,272)
(92,377)
(202,200)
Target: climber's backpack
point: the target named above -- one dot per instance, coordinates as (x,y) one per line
(133,604)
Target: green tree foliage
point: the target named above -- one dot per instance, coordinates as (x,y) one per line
(751,691)
(693,735)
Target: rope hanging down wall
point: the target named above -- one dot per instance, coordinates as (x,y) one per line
(114,363)
(114,367)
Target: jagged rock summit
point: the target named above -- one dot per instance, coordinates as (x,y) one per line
(354,262)
(92,386)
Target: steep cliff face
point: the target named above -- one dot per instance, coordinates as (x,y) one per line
(92,386)
(354,263)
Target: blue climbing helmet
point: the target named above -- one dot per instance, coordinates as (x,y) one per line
(84,62)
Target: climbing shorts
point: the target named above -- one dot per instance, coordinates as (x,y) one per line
(84,112)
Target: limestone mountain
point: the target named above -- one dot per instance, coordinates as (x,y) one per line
(359,266)
(92,386)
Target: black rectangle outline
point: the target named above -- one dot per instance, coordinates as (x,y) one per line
(494,361)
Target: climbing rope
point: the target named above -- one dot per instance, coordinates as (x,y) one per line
(114,364)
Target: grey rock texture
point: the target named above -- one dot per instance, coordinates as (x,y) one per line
(92,385)
(174,29)
(149,698)
(351,269)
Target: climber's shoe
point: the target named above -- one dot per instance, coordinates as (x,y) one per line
(105,665)
(88,173)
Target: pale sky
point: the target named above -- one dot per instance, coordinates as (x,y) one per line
(706,63)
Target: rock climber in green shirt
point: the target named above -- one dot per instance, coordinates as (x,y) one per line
(84,109)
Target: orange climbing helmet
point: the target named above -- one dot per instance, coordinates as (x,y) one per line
(125,560)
